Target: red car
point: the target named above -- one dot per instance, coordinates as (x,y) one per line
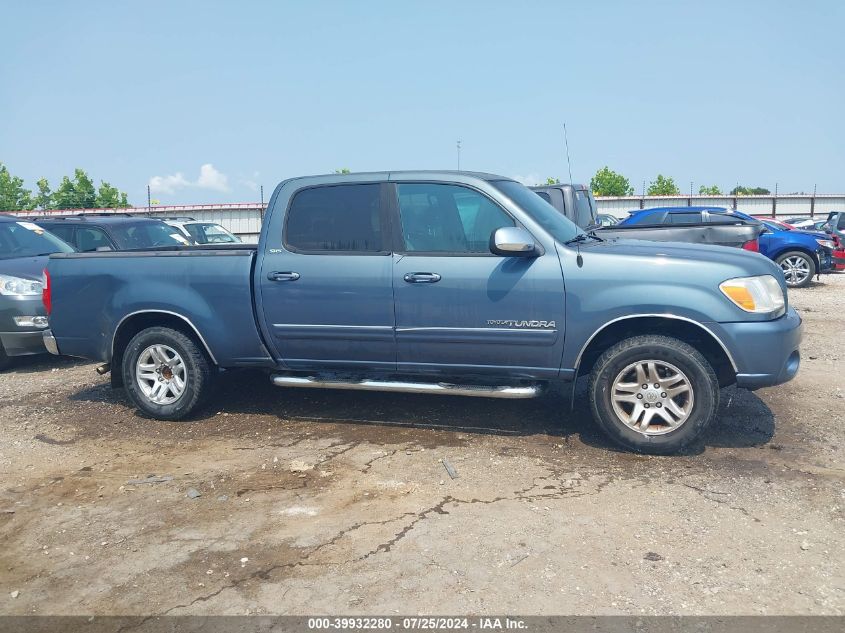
(838,253)
(773,221)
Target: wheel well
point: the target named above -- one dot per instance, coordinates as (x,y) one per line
(688,332)
(138,322)
(803,251)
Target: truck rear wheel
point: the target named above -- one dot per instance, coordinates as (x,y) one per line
(654,394)
(165,373)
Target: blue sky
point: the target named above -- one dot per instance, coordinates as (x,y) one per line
(209,99)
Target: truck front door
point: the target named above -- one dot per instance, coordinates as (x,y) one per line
(325,280)
(459,308)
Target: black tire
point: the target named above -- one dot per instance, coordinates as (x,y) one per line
(811,265)
(199,373)
(698,371)
(5,361)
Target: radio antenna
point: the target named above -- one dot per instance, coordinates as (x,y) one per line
(568,162)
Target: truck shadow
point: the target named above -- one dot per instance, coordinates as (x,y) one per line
(246,398)
(744,419)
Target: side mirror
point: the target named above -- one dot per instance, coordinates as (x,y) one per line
(511,241)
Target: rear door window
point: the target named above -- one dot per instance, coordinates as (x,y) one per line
(684,218)
(63,233)
(90,238)
(336,219)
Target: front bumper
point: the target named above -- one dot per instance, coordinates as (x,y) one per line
(765,352)
(826,261)
(22,343)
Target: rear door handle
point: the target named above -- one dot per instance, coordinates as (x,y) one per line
(422,278)
(288,276)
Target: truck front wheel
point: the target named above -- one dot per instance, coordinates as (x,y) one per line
(654,394)
(165,373)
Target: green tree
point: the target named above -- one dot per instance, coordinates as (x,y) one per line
(109,197)
(13,196)
(739,190)
(343,170)
(663,186)
(78,193)
(710,191)
(608,183)
(552,181)
(44,198)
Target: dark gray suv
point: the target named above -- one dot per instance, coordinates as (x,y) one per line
(24,250)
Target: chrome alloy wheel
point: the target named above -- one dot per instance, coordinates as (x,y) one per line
(652,397)
(795,269)
(161,375)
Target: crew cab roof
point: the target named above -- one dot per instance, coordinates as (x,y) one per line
(434,174)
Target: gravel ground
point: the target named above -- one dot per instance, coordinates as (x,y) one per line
(279,501)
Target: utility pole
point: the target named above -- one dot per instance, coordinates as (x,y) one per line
(568,162)
(149,200)
(459,155)
(775,202)
(262,202)
(813,203)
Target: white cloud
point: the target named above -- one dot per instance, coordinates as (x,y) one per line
(251,182)
(209,178)
(168,184)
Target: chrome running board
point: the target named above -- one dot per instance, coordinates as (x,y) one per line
(477,391)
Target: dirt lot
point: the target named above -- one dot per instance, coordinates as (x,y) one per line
(326,502)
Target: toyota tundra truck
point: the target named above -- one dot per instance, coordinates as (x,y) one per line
(434,283)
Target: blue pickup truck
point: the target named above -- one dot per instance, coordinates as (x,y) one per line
(434,283)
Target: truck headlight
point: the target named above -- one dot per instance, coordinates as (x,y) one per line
(15,286)
(760,295)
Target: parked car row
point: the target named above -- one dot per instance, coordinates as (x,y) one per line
(88,232)
(801,254)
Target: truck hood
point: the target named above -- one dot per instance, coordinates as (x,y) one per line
(620,277)
(673,262)
(24,267)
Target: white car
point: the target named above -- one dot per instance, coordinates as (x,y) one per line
(203,232)
(807,224)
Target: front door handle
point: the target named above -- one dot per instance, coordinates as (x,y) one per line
(422,278)
(288,276)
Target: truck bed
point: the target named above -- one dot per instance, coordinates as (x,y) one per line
(208,287)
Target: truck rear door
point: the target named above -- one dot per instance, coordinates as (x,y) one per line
(325,280)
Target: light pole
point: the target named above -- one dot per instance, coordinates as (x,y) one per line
(459,155)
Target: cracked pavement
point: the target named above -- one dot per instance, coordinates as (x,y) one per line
(339,503)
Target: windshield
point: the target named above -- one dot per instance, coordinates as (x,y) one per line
(25,239)
(210,233)
(544,214)
(137,235)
